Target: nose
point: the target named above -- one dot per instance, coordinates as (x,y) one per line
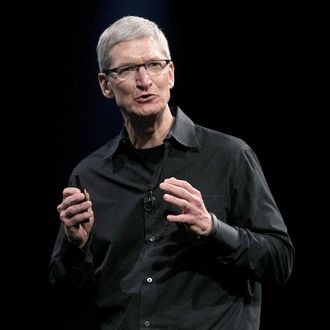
(143,79)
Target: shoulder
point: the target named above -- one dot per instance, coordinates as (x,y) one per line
(224,141)
(226,148)
(98,157)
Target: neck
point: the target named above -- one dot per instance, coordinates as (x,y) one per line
(149,132)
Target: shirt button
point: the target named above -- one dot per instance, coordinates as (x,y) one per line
(151,238)
(147,323)
(149,279)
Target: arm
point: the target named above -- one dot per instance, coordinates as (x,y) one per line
(253,240)
(71,262)
(263,249)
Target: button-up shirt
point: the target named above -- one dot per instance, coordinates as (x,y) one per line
(140,271)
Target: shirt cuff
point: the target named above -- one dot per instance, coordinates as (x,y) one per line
(224,235)
(73,255)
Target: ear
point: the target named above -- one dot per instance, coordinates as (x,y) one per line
(105,85)
(171,75)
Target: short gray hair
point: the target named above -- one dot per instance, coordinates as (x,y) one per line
(125,29)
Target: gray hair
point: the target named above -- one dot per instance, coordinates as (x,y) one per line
(125,29)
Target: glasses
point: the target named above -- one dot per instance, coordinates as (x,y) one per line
(128,71)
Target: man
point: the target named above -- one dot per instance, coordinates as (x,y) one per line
(175,226)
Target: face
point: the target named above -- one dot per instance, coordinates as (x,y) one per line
(142,95)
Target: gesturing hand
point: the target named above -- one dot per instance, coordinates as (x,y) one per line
(189,200)
(76,215)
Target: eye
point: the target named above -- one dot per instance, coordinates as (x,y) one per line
(126,69)
(154,65)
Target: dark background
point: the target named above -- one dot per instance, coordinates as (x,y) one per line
(259,72)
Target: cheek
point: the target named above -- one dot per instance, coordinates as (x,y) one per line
(122,92)
(123,98)
(166,94)
(165,84)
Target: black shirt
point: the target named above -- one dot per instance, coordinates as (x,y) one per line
(140,271)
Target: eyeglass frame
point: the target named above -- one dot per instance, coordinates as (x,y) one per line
(136,66)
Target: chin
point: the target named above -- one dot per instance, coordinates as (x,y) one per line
(148,110)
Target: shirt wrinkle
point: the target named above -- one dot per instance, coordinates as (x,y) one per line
(147,270)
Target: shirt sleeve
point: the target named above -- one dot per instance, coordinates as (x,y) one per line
(71,266)
(254,238)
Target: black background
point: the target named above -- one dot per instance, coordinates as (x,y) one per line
(259,72)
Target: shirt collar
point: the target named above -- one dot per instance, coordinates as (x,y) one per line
(182,130)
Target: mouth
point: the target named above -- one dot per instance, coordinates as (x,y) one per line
(145,98)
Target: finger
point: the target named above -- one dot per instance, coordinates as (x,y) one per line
(70,218)
(182,218)
(87,195)
(69,191)
(81,207)
(71,200)
(79,219)
(178,202)
(183,184)
(181,189)
(176,191)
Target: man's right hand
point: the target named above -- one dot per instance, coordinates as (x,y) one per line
(76,215)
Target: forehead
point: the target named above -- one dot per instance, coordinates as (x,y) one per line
(136,51)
